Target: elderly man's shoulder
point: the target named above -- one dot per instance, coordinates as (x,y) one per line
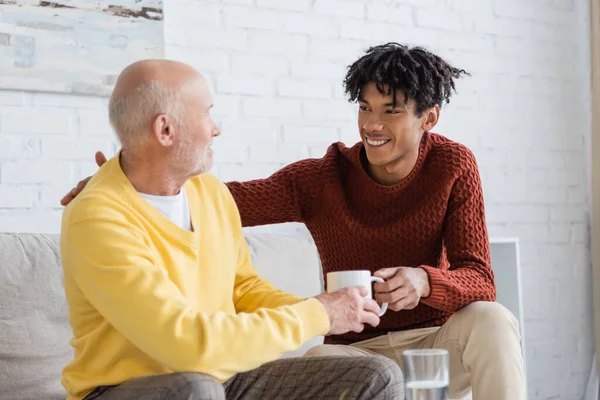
(208,185)
(207,180)
(105,196)
(111,197)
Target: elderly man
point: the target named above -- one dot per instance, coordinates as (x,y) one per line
(163,300)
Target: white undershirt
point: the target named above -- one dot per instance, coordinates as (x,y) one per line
(176,208)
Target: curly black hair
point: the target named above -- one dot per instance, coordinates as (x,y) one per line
(420,74)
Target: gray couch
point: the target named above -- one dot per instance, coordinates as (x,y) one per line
(34,329)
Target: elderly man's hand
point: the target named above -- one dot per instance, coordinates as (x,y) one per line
(349,310)
(403,287)
(100,159)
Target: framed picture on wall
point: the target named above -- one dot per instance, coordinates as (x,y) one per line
(75,46)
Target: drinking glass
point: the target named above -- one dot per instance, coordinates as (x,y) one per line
(426,374)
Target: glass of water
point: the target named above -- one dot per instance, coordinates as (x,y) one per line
(426,374)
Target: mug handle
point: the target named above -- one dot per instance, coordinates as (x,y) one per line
(384,307)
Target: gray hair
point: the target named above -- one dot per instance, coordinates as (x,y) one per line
(131,114)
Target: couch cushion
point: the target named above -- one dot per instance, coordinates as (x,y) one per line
(34,328)
(291,263)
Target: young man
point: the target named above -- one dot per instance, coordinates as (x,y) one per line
(407,204)
(163,300)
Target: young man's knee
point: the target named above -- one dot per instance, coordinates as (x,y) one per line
(325,350)
(491,316)
(321,350)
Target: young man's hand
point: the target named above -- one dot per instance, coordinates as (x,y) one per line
(349,310)
(100,159)
(403,287)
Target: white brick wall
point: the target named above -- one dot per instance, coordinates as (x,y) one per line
(47,143)
(524,112)
(277,67)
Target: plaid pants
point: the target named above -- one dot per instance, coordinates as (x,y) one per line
(331,377)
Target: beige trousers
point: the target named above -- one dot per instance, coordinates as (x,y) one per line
(484,344)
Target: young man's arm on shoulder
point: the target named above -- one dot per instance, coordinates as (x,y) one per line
(280,198)
(113,267)
(469,277)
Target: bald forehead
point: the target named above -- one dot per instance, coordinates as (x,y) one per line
(170,73)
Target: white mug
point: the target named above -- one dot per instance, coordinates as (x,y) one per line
(341,279)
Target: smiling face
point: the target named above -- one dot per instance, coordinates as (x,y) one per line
(391,132)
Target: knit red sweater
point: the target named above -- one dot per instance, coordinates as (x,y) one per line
(433,219)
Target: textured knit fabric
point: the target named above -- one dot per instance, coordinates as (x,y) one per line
(326,378)
(147,297)
(433,219)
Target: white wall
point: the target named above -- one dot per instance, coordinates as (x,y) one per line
(47,143)
(277,68)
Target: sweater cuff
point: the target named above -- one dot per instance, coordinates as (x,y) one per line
(437,290)
(314,317)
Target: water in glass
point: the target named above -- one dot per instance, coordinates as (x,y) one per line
(426,390)
(426,374)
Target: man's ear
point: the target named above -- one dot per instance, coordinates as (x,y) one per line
(430,118)
(163,130)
